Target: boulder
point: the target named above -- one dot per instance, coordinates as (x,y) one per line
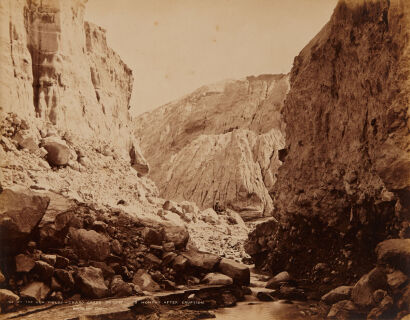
(43,270)
(152,236)
(168,246)
(217,279)
(116,247)
(396,253)
(337,294)
(61,262)
(108,271)
(209,215)
(89,244)
(120,288)
(65,278)
(24,263)
(49,258)
(58,153)
(362,292)
(277,280)
(8,298)
(145,282)
(173,207)
(20,211)
(189,207)
(291,293)
(204,261)
(343,310)
(396,279)
(37,291)
(91,282)
(264,296)
(238,272)
(177,234)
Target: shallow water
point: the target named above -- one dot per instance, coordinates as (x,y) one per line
(276,310)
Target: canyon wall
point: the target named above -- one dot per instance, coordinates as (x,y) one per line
(57,69)
(219,145)
(345,182)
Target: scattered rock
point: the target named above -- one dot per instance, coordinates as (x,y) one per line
(145,282)
(343,310)
(168,246)
(37,291)
(58,154)
(337,294)
(177,234)
(217,279)
(362,292)
(396,253)
(20,211)
(278,280)
(120,288)
(151,236)
(116,247)
(89,244)
(24,263)
(91,282)
(7,299)
(238,272)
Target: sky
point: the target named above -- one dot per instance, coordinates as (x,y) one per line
(176,46)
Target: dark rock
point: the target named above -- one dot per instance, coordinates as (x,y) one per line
(168,246)
(8,299)
(37,291)
(58,153)
(396,253)
(2,278)
(145,282)
(264,296)
(291,293)
(152,260)
(99,226)
(91,282)
(116,247)
(44,270)
(20,211)
(24,263)
(384,310)
(90,244)
(337,294)
(108,272)
(61,262)
(65,278)
(152,236)
(168,258)
(238,272)
(227,300)
(362,292)
(176,234)
(120,288)
(180,263)
(343,310)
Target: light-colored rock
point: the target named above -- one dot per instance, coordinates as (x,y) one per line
(195,142)
(217,279)
(91,282)
(138,161)
(24,263)
(240,273)
(209,215)
(362,292)
(337,294)
(58,154)
(396,279)
(90,244)
(8,298)
(120,288)
(204,261)
(277,280)
(37,291)
(145,282)
(20,212)
(177,234)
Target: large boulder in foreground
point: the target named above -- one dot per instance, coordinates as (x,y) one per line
(89,244)
(362,292)
(20,211)
(240,273)
(91,282)
(396,253)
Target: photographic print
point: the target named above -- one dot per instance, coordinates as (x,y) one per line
(204,159)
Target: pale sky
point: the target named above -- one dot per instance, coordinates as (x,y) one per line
(176,46)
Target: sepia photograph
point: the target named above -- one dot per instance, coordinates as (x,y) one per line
(204,159)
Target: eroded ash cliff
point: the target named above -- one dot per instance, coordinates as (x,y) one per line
(344,185)
(219,145)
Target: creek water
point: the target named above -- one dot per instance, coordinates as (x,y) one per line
(276,310)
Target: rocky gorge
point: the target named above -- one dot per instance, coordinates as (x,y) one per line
(305,175)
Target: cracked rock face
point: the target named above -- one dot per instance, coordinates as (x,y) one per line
(58,69)
(219,145)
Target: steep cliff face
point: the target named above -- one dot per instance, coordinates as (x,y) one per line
(197,151)
(346,178)
(60,70)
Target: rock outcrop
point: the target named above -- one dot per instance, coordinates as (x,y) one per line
(345,182)
(219,145)
(58,69)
